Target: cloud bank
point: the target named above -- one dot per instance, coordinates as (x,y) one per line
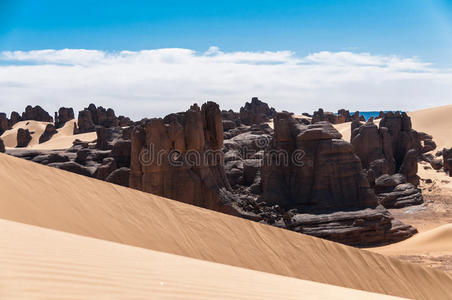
(151,83)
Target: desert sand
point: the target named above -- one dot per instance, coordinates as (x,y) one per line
(55,199)
(67,266)
(61,140)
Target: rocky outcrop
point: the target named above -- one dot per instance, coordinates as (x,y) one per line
(394,191)
(447,160)
(119,176)
(36,113)
(15,117)
(179,157)
(4,123)
(63,115)
(93,116)
(23,138)
(320,171)
(2,146)
(342,116)
(49,131)
(392,148)
(256,112)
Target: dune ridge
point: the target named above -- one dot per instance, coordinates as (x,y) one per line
(67,266)
(55,199)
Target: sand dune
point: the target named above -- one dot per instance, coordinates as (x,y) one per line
(47,197)
(436,121)
(38,263)
(36,129)
(435,241)
(61,140)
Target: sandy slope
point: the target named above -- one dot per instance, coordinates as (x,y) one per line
(62,140)
(437,240)
(47,197)
(38,263)
(36,129)
(436,121)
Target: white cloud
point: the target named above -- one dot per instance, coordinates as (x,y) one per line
(155,82)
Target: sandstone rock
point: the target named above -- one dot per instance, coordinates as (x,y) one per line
(256,112)
(436,163)
(119,176)
(198,178)
(107,167)
(49,131)
(72,167)
(85,122)
(15,117)
(63,115)
(121,153)
(447,160)
(2,146)
(36,113)
(102,139)
(23,138)
(4,124)
(319,172)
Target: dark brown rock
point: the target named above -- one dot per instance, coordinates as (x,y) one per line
(23,138)
(85,122)
(15,117)
(73,167)
(256,112)
(63,115)
(320,170)
(36,113)
(49,131)
(4,124)
(119,176)
(2,146)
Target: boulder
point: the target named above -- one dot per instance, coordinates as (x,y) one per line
(119,176)
(85,122)
(447,160)
(23,138)
(2,146)
(72,167)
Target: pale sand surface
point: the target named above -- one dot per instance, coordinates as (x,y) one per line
(38,263)
(436,121)
(61,140)
(52,198)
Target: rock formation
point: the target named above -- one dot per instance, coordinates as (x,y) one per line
(15,117)
(36,113)
(2,146)
(4,123)
(63,115)
(342,116)
(49,131)
(321,171)
(393,148)
(447,160)
(256,112)
(92,116)
(179,157)
(23,138)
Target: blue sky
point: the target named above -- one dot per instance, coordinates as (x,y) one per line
(421,28)
(150,58)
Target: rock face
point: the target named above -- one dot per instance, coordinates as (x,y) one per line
(342,116)
(92,116)
(393,148)
(63,115)
(447,160)
(178,157)
(23,138)
(321,171)
(48,133)
(256,112)
(4,124)
(15,117)
(36,113)
(2,146)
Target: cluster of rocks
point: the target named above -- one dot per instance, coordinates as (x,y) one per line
(93,116)
(389,153)
(443,160)
(342,116)
(36,113)
(299,176)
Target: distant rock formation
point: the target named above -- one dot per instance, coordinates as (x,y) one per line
(49,131)
(23,138)
(256,112)
(187,172)
(63,115)
(36,113)
(328,174)
(4,123)
(393,148)
(342,116)
(92,116)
